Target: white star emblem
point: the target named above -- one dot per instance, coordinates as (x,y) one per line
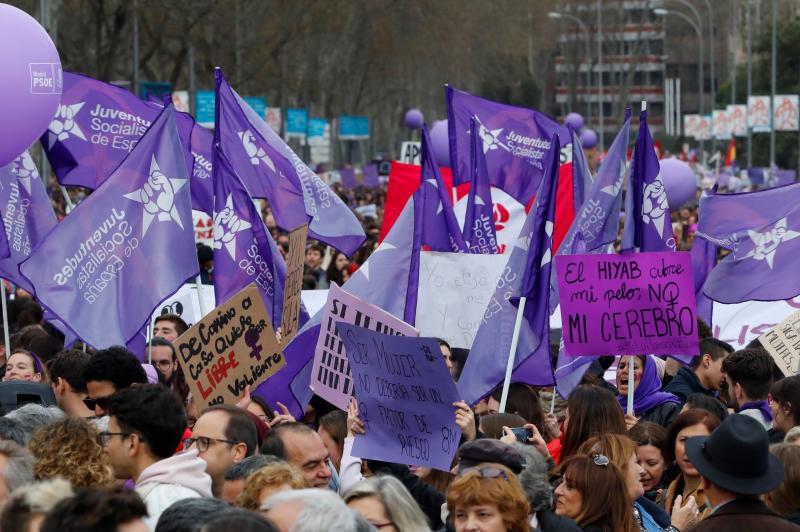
(655,204)
(157,197)
(25,169)
(479,200)
(489,137)
(613,189)
(255,152)
(63,125)
(767,243)
(226,225)
(364,269)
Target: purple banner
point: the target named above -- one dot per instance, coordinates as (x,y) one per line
(405,398)
(640,303)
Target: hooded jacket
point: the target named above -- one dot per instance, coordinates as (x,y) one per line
(181,476)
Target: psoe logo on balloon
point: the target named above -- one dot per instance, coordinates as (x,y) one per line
(46,78)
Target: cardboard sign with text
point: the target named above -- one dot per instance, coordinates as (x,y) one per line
(290,317)
(330,373)
(627,304)
(783,343)
(232,347)
(405,398)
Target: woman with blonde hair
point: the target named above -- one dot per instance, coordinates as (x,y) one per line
(268,481)
(69,448)
(785,499)
(488,496)
(387,505)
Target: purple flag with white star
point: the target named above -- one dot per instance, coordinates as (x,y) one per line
(383,280)
(270,169)
(647,221)
(97,124)
(27,215)
(515,142)
(124,249)
(244,251)
(527,274)
(761,230)
(479,232)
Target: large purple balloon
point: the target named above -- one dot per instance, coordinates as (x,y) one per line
(574,120)
(679,182)
(440,141)
(414,119)
(31,82)
(588,139)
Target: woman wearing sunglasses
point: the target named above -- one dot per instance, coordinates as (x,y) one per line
(488,498)
(594,495)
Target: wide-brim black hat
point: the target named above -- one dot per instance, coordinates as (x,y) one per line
(736,457)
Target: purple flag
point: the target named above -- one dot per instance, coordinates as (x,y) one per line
(96,126)
(371,179)
(647,221)
(761,230)
(125,248)
(527,274)
(479,231)
(515,142)
(582,179)
(348,176)
(382,280)
(270,169)
(202,155)
(27,215)
(704,258)
(435,224)
(244,251)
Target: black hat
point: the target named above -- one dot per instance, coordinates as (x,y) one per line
(736,457)
(488,450)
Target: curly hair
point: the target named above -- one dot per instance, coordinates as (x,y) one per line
(505,492)
(69,448)
(271,475)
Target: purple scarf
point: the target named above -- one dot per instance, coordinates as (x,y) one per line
(648,394)
(761,405)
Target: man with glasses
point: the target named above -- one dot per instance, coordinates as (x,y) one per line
(223,435)
(107,372)
(163,358)
(145,427)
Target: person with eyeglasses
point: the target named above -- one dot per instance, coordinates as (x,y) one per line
(223,435)
(107,372)
(592,493)
(145,426)
(387,505)
(488,497)
(163,358)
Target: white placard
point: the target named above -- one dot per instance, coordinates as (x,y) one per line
(203,228)
(741,323)
(785,112)
(454,289)
(737,120)
(758,113)
(410,152)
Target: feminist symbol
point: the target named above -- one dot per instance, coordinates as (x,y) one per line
(251,339)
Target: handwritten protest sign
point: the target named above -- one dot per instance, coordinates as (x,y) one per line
(405,398)
(454,290)
(627,304)
(232,347)
(783,343)
(294,283)
(330,373)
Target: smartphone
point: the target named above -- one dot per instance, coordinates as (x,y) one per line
(523,434)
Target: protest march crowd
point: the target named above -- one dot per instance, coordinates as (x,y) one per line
(128,405)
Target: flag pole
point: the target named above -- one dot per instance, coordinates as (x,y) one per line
(553,400)
(150,343)
(67,199)
(512,355)
(6,335)
(197,285)
(631,365)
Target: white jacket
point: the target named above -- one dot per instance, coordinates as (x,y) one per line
(181,476)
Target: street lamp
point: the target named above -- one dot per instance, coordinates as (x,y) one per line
(585,31)
(661,12)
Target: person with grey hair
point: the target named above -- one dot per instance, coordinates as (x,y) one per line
(536,484)
(240,521)
(27,506)
(793,436)
(309,510)
(31,417)
(16,468)
(10,430)
(383,500)
(237,474)
(189,515)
